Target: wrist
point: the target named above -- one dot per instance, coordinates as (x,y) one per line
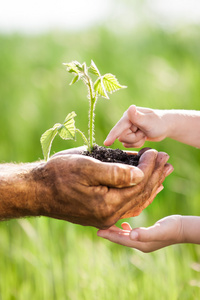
(168,119)
(43,184)
(17,191)
(190,229)
(183,126)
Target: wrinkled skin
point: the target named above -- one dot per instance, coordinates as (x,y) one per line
(85,191)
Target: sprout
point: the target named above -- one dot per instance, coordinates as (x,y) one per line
(103,85)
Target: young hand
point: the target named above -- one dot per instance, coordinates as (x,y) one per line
(137,125)
(165,232)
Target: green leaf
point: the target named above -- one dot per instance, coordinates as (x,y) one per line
(73,67)
(111,83)
(78,65)
(84,67)
(47,139)
(75,79)
(107,84)
(93,69)
(67,130)
(100,89)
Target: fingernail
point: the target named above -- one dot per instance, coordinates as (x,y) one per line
(106,143)
(169,170)
(134,235)
(136,176)
(159,189)
(166,157)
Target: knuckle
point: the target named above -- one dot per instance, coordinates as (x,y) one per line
(115,175)
(130,108)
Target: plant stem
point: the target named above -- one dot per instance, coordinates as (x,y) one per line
(91,122)
(93,99)
(84,138)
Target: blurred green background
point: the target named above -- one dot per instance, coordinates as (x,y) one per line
(49,259)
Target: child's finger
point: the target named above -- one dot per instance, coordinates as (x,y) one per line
(126,226)
(133,128)
(135,145)
(113,228)
(135,116)
(149,234)
(120,237)
(117,130)
(131,138)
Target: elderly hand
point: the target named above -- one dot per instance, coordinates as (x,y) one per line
(83,190)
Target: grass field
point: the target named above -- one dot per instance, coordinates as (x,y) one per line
(50,259)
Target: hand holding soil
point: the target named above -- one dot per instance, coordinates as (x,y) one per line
(83,190)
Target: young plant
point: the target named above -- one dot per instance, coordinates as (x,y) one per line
(103,85)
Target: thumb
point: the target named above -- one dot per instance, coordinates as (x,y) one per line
(117,130)
(117,175)
(149,234)
(136,117)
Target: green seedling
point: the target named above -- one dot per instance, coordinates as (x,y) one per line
(103,85)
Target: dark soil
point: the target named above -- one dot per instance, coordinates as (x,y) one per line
(113,155)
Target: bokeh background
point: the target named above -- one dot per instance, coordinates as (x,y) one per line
(153,47)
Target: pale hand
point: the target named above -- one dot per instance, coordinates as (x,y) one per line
(137,125)
(165,232)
